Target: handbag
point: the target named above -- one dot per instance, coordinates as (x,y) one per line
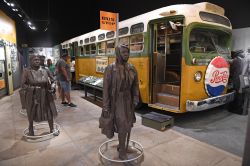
(106,123)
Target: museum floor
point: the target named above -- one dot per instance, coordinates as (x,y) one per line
(80,138)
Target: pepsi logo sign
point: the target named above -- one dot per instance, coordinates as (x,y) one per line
(216,77)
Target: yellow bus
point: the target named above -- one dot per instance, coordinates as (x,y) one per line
(177,50)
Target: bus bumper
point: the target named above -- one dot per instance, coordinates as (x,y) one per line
(209,102)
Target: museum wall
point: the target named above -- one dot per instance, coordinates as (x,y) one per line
(241,40)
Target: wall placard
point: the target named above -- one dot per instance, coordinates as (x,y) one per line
(101,64)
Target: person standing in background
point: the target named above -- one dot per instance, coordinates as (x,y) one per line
(64,79)
(238,67)
(51,66)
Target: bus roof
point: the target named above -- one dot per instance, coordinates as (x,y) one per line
(189,11)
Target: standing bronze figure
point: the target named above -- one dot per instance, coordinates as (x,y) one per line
(120,96)
(39,101)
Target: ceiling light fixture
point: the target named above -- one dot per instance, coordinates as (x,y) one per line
(32,27)
(21,13)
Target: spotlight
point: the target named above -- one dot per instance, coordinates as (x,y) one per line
(32,27)
(20,15)
(12,4)
(29,23)
(8,3)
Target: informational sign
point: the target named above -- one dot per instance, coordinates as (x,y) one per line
(108,20)
(14,58)
(2,84)
(216,77)
(101,64)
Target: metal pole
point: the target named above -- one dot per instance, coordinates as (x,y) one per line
(117,30)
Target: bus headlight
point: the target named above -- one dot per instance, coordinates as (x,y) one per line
(198,76)
(194,61)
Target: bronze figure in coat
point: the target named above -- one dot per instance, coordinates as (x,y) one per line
(120,96)
(39,102)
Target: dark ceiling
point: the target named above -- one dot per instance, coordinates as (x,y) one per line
(68,19)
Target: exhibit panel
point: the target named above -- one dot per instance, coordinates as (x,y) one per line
(9,59)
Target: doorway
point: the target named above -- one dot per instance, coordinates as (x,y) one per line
(166,45)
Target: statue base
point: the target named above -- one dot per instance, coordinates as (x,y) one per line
(109,155)
(41,132)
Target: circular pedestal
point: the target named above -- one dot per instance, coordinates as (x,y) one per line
(41,132)
(23,112)
(110,156)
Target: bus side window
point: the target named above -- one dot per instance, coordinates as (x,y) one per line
(110,47)
(136,43)
(87,50)
(124,41)
(102,48)
(92,49)
(81,51)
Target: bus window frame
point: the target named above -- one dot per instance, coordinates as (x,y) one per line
(130,43)
(85,50)
(123,38)
(122,30)
(189,55)
(101,54)
(137,24)
(107,47)
(81,52)
(93,44)
(92,39)
(100,36)
(111,33)
(86,41)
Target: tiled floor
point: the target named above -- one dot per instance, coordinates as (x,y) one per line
(80,138)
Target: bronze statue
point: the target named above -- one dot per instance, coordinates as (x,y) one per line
(39,101)
(120,96)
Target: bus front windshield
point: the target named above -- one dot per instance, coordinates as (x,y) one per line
(205,44)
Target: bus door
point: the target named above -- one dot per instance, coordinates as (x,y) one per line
(166,45)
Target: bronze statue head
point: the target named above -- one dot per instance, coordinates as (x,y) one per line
(35,61)
(122,54)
